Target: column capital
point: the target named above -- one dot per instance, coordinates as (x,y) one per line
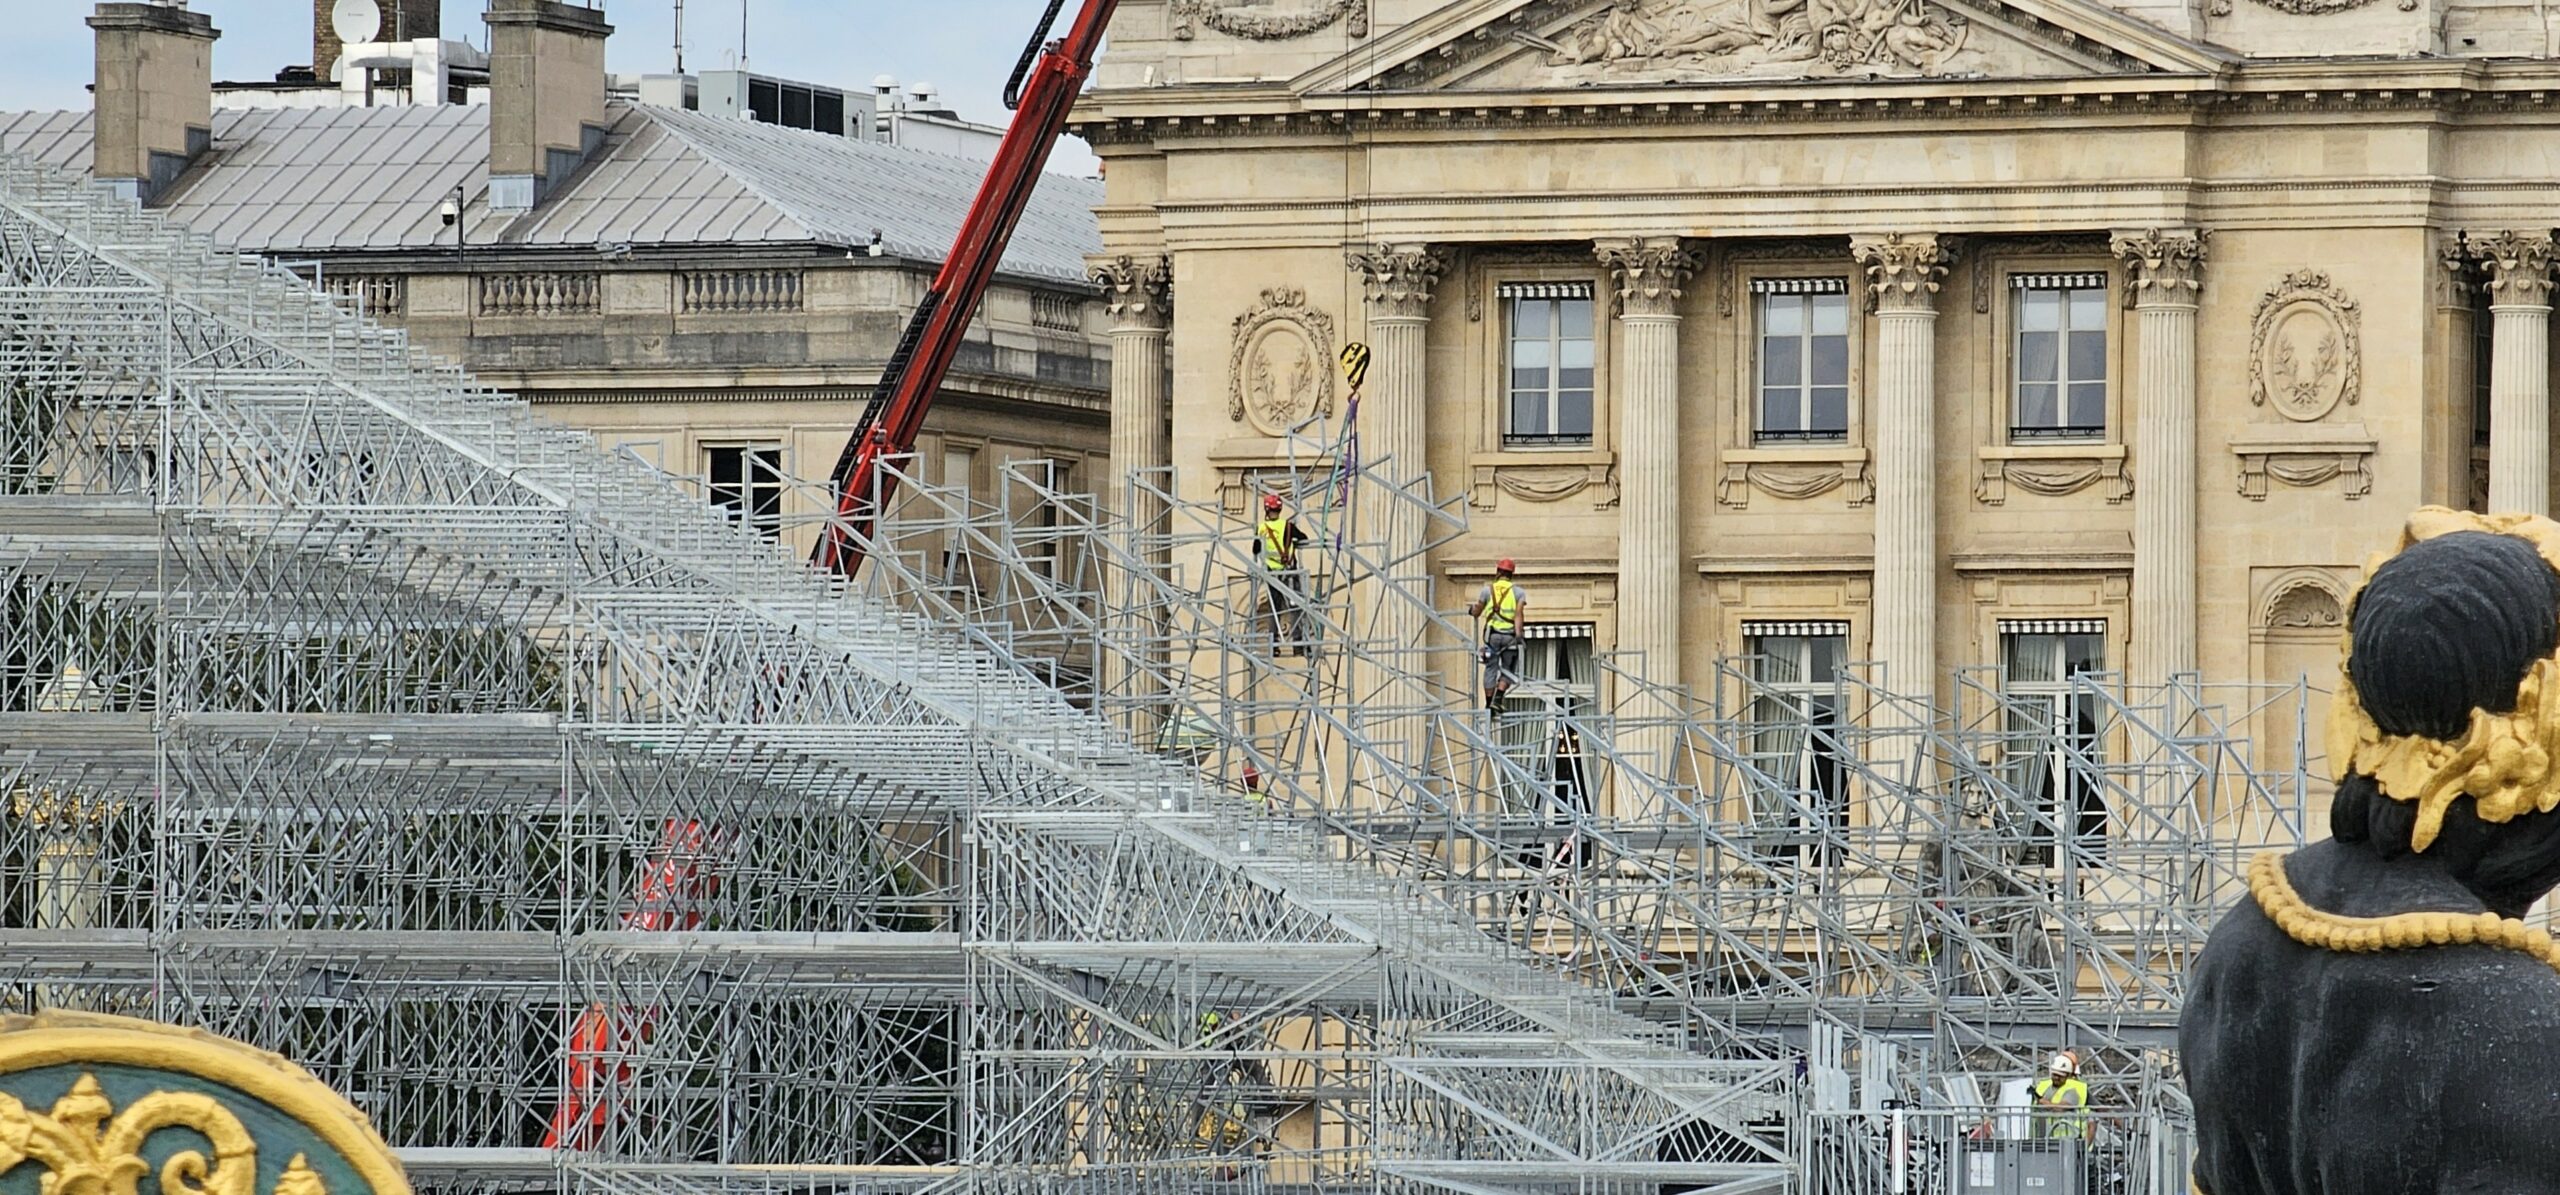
(2456,272)
(1137,291)
(1903,270)
(2163,267)
(1647,272)
(2519,267)
(1399,278)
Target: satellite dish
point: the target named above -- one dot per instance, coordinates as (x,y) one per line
(355,21)
(338,69)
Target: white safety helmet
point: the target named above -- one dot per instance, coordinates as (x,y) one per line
(2065,1064)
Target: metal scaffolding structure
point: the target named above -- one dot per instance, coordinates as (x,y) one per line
(1901,903)
(589,844)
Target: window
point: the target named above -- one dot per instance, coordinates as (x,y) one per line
(2052,735)
(747,478)
(959,475)
(1555,669)
(1044,546)
(2481,361)
(1556,684)
(1549,355)
(1803,359)
(2061,357)
(133,469)
(1796,698)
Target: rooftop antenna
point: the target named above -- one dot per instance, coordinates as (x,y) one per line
(679,37)
(742,34)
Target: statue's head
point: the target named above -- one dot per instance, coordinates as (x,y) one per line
(2445,731)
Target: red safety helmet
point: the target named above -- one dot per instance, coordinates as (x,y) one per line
(1271,502)
(1503,565)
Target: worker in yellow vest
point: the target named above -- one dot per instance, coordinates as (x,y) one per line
(2062,1100)
(1284,585)
(1498,611)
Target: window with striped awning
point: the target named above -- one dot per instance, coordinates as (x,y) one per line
(2053,626)
(1799,286)
(1544,290)
(1556,630)
(1754,627)
(2073,281)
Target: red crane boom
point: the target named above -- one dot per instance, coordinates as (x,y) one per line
(1044,85)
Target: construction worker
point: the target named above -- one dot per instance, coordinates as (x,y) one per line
(1498,611)
(1276,539)
(2062,1100)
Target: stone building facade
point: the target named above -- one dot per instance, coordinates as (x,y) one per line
(2019,336)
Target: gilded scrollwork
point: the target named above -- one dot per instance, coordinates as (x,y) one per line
(174,1112)
(89,1148)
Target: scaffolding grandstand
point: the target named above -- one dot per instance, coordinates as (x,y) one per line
(588,843)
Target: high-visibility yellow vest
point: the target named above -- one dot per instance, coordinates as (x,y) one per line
(2074,1094)
(1274,534)
(1502,613)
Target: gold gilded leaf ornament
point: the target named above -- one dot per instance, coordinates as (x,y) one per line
(89,1149)
(299,1179)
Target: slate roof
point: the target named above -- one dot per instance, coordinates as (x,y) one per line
(317,180)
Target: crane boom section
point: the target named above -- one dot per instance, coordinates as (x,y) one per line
(916,368)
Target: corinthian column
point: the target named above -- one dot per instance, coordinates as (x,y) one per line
(1903,272)
(2164,271)
(1648,274)
(1399,280)
(2519,266)
(1138,293)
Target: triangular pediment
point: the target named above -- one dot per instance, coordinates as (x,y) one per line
(1532,45)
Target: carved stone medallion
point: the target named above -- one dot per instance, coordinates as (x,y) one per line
(1267,20)
(1279,371)
(2304,354)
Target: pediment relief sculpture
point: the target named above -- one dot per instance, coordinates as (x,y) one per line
(1268,20)
(1631,40)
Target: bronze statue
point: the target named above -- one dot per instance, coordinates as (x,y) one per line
(2375,1017)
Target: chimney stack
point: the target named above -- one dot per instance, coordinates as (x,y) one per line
(154,101)
(546,96)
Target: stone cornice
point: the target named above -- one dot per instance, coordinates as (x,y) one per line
(2438,87)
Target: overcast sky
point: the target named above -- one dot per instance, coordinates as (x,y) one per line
(964,47)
